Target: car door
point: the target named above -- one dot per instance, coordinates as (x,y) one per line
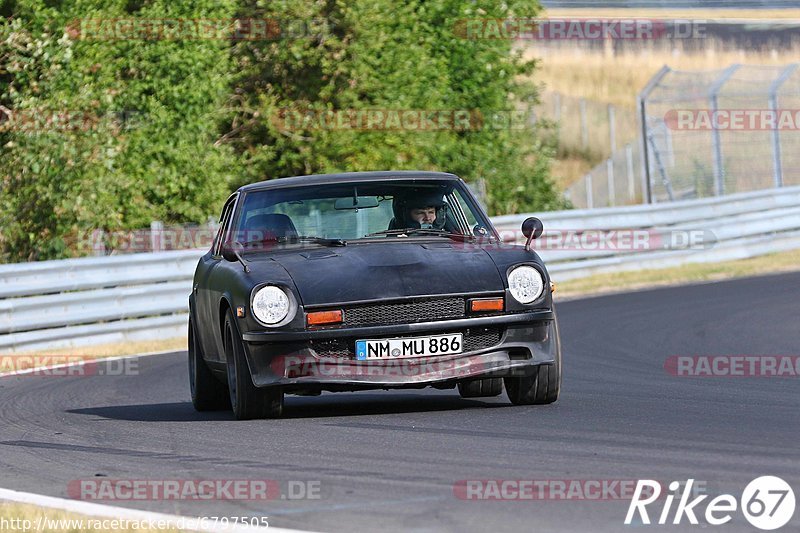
(207,296)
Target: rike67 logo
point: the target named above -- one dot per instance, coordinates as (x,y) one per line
(767,502)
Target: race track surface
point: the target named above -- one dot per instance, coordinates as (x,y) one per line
(389,460)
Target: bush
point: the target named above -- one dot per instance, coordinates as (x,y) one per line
(108,134)
(166,128)
(379,55)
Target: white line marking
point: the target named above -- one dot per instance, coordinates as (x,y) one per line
(108,511)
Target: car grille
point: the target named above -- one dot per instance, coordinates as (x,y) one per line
(474,339)
(427,310)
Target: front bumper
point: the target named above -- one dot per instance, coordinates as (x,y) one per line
(508,345)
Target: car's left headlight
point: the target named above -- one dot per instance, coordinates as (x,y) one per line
(272,305)
(525,284)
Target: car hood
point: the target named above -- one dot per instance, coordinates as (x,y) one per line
(376,271)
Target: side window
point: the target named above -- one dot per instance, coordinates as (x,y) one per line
(468,214)
(225,220)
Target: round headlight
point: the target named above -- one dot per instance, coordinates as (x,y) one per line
(525,284)
(271,305)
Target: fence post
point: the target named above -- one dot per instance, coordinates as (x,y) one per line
(156,234)
(631,178)
(716,141)
(647,193)
(663,171)
(777,164)
(557,110)
(589,191)
(98,244)
(584,125)
(612,127)
(612,191)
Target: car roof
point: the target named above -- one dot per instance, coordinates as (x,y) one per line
(325,179)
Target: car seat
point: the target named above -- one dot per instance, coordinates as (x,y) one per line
(269,226)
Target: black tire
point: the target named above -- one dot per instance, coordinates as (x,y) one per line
(247,400)
(208,393)
(481,388)
(542,387)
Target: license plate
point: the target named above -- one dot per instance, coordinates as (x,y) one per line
(371,349)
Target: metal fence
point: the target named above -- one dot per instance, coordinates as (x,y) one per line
(616,181)
(77,302)
(719,132)
(587,127)
(599,132)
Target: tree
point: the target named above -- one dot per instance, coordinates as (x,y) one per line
(373,55)
(108,132)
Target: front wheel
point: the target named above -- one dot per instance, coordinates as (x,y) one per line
(543,386)
(540,388)
(208,393)
(247,400)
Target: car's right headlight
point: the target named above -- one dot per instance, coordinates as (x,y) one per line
(525,284)
(272,305)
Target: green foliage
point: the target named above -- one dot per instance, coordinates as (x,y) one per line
(143,146)
(377,55)
(166,128)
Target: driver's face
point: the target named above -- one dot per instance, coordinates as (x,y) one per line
(425,215)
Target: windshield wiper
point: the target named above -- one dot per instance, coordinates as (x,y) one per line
(295,239)
(318,240)
(422,231)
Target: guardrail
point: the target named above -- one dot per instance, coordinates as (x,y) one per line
(98,300)
(736,226)
(78,302)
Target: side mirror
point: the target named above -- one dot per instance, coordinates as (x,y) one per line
(532,228)
(479,231)
(231,251)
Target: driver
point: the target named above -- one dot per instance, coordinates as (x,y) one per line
(425,211)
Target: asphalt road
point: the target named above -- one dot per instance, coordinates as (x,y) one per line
(389,460)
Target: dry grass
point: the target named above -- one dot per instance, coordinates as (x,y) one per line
(566,171)
(59,521)
(691,273)
(618,79)
(113,350)
(603,77)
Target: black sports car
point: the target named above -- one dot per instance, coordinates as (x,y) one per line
(374,280)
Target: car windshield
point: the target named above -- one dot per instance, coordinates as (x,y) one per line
(342,212)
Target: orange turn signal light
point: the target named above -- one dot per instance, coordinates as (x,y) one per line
(319,318)
(486,304)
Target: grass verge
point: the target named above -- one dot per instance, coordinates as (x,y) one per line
(25,518)
(127,348)
(691,273)
(617,79)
